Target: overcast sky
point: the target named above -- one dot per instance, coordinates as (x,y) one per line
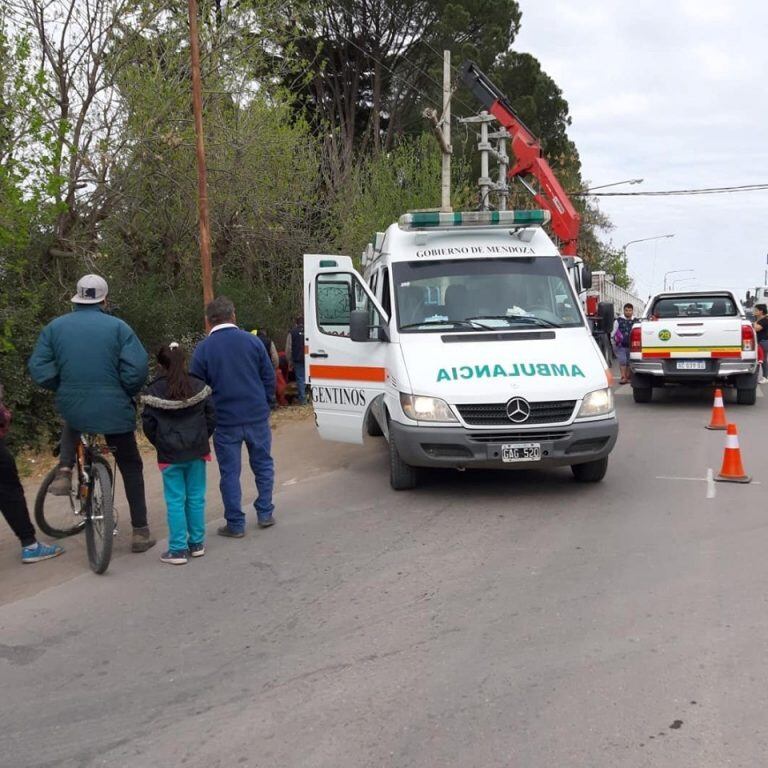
(673,92)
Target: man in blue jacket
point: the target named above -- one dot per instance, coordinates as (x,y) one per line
(96,366)
(236,366)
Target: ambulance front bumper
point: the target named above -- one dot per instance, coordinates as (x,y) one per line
(574,443)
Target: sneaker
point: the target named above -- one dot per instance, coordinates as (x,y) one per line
(141,541)
(762,380)
(197,550)
(266,522)
(174,557)
(62,483)
(39,551)
(225,530)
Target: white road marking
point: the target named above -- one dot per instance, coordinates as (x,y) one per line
(695,479)
(668,477)
(710,484)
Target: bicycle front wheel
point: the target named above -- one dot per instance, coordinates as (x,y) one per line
(58,516)
(100,518)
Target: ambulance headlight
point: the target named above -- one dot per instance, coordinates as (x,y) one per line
(597,403)
(421,408)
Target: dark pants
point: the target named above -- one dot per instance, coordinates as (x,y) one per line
(128,462)
(12,502)
(228,442)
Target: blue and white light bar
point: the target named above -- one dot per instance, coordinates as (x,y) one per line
(438,220)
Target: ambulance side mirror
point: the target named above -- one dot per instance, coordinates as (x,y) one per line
(586,277)
(360,330)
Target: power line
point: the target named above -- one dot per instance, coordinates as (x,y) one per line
(673,192)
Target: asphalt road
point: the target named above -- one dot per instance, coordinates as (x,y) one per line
(485,619)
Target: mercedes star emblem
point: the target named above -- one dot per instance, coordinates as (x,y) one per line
(518,410)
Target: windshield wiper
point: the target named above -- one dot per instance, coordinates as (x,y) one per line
(459,323)
(519,318)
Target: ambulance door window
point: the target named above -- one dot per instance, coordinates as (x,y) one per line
(337,294)
(386,298)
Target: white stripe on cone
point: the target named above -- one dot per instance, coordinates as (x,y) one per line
(732,442)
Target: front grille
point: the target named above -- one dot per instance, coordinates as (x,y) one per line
(490,414)
(521,436)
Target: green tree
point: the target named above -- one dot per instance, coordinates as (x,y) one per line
(26,174)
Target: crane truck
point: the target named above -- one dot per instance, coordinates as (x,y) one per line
(601,297)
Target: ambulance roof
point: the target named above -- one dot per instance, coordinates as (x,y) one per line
(463,242)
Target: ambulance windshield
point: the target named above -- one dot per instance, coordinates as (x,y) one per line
(454,295)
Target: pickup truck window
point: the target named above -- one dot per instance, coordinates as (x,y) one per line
(693,306)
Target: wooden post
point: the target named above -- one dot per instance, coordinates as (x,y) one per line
(202,181)
(445,203)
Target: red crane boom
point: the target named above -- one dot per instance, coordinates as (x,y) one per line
(529,159)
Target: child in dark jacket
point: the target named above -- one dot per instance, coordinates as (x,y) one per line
(178,420)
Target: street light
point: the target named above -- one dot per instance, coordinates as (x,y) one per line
(674,272)
(644,240)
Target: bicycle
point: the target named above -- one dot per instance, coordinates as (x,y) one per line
(90,505)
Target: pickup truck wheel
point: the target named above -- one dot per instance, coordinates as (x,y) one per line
(642,394)
(372,426)
(402,476)
(746,396)
(591,472)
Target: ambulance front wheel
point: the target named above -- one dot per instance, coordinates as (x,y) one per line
(591,471)
(402,476)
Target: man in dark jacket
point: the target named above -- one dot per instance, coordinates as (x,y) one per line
(96,365)
(236,366)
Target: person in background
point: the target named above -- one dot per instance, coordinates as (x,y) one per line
(13,505)
(269,346)
(271,350)
(622,329)
(235,364)
(294,351)
(96,365)
(178,420)
(761,327)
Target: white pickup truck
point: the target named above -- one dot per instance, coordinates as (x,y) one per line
(694,338)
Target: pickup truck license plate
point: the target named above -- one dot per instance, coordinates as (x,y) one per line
(691,365)
(521,452)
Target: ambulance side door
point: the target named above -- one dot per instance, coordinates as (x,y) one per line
(345,375)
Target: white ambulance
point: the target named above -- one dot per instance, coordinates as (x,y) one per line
(464,344)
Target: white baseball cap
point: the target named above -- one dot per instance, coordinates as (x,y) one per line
(91,289)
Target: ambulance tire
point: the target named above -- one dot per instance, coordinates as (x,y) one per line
(591,472)
(372,426)
(746,396)
(642,394)
(402,476)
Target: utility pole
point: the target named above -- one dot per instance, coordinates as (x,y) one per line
(500,153)
(441,125)
(446,120)
(202,182)
(486,149)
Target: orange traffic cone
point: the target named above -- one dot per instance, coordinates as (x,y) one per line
(732,470)
(718,420)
